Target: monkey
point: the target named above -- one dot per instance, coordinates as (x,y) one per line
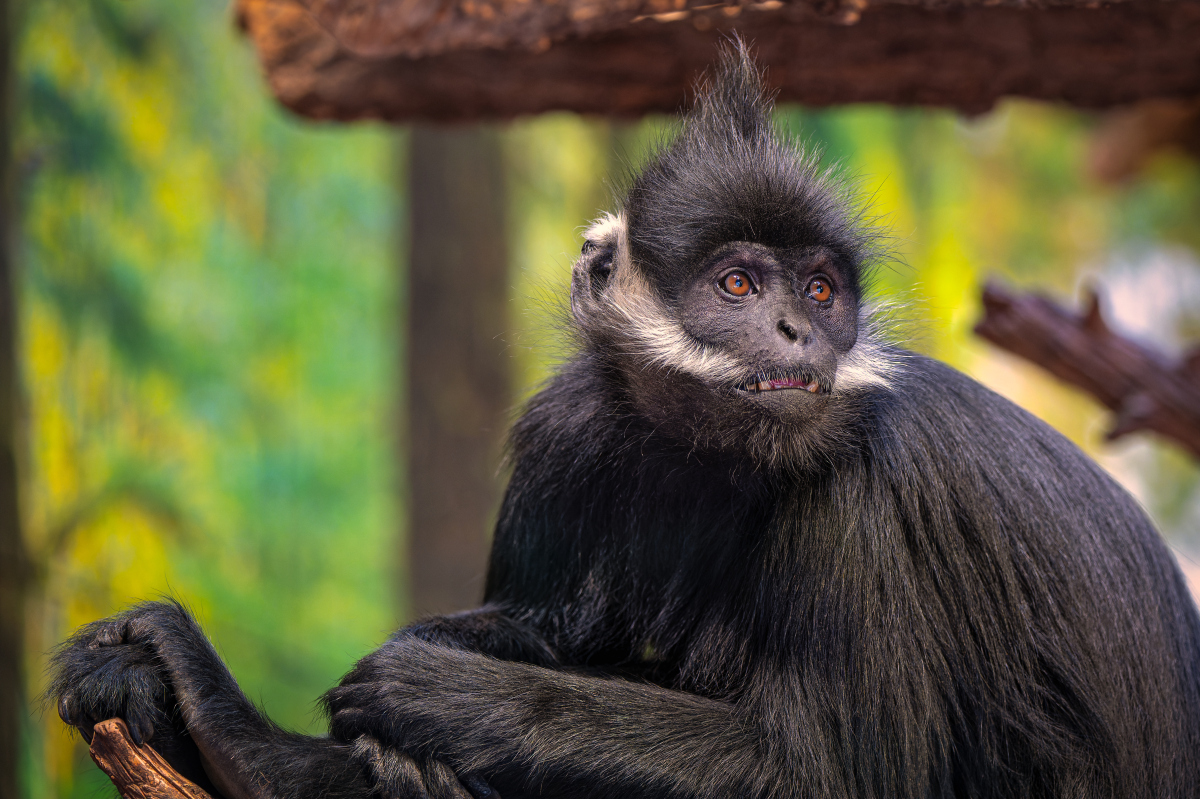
(751,546)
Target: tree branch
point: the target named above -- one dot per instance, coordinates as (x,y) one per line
(1145,388)
(138,771)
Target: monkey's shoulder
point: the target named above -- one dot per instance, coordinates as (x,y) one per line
(935,406)
(577,405)
(971,448)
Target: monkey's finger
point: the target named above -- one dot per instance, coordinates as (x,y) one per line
(396,775)
(479,787)
(141,728)
(344,695)
(442,782)
(361,695)
(349,724)
(110,633)
(64,710)
(74,716)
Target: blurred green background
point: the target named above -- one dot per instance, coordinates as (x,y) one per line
(210,337)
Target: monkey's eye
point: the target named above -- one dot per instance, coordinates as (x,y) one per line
(819,289)
(737,283)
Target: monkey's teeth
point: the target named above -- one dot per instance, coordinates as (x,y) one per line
(767,385)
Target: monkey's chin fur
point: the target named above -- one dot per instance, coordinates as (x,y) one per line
(790,428)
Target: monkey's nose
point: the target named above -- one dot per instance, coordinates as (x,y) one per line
(789,331)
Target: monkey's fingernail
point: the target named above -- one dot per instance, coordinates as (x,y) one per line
(479,787)
(64,710)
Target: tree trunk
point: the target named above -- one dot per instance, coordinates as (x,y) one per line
(13,557)
(457,374)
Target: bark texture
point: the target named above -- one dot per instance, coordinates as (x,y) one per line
(1146,389)
(457,60)
(457,373)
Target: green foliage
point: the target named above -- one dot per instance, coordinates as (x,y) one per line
(208,336)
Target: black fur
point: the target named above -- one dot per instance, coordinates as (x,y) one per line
(952,602)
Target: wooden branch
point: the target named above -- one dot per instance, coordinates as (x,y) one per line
(467,60)
(1146,389)
(138,771)
(421,28)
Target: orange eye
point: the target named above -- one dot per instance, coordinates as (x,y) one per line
(819,290)
(737,283)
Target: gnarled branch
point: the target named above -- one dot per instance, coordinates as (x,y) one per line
(138,771)
(1146,389)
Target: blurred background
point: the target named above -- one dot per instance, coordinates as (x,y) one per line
(211,337)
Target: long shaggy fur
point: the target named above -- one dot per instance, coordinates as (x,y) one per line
(936,596)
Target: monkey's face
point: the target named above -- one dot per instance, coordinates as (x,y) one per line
(754,352)
(785,316)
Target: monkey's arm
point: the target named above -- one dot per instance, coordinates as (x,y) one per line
(529,729)
(153,667)
(487,630)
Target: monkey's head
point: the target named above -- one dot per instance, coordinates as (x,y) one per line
(726,293)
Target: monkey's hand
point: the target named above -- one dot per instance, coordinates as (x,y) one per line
(114,668)
(153,667)
(359,712)
(111,668)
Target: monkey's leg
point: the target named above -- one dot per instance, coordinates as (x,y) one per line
(535,730)
(153,667)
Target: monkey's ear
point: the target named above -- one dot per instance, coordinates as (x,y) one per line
(590,277)
(602,249)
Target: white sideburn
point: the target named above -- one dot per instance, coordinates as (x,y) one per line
(651,331)
(868,363)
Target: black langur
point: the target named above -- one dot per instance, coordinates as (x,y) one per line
(749,549)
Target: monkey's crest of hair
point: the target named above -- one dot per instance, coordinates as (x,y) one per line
(727,175)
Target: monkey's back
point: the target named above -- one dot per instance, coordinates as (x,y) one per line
(1067,623)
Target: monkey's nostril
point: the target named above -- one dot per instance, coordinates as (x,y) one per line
(787,330)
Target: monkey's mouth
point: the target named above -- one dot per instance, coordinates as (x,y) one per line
(756,385)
